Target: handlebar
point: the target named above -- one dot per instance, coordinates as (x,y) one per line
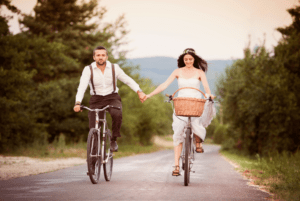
(171,98)
(99,110)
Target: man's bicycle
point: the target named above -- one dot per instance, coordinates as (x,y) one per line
(97,154)
(187,155)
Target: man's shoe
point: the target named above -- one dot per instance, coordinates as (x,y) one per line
(113,146)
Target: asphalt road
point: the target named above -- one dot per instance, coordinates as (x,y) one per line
(141,177)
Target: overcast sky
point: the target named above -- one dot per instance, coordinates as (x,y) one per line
(216,29)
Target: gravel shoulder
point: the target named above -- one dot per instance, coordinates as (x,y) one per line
(13,167)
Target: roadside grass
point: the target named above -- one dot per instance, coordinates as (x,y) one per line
(168,137)
(279,174)
(208,140)
(59,149)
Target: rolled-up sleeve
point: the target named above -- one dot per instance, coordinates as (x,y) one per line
(121,75)
(84,82)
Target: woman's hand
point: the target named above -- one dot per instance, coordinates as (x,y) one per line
(210,95)
(146,97)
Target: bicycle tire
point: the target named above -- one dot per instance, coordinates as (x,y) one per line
(186,157)
(108,166)
(92,162)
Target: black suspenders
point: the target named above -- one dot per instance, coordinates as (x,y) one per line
(114,79)
(92,80)
(113,75)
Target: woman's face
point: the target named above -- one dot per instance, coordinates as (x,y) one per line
(188,60)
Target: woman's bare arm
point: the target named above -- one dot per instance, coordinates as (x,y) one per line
(164,85)
(205,83)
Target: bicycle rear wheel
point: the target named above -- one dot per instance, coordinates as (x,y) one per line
(93,161)
(108,156)
(186,157)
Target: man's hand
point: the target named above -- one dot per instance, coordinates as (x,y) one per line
(142,96)
(77,108)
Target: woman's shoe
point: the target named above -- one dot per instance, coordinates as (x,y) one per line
(176,171)
(199,148)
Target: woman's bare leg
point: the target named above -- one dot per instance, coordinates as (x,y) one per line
(177,152)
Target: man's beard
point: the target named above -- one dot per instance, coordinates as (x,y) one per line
(101,64)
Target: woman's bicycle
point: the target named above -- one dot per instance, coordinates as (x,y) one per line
(187,155)
(97,155)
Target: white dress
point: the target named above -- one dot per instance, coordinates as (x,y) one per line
(196,122)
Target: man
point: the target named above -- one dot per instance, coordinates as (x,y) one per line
(104,91)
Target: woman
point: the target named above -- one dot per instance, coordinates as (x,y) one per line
(191,71)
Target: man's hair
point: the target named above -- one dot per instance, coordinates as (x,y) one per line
(99,48)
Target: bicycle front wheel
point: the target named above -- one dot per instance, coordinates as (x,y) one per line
(108,156)
(93,159)
(186,157)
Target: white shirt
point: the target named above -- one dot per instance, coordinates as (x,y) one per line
(103,83)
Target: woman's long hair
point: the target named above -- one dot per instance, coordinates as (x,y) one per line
(198,62)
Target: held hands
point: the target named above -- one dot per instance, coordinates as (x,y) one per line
(142,96)
(146,97)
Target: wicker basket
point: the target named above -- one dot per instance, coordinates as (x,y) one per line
(185,106)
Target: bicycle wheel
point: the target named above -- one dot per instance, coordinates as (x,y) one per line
(93,162)
(108,157)
(186,157)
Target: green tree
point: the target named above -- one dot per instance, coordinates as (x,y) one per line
(25,62)
(287,54)
(78,26)
(66,27)
(260,96)
(4,29)
(259,104)
(17,124)
(288,49)
(73,30)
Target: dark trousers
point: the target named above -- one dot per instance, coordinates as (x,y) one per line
(99,102)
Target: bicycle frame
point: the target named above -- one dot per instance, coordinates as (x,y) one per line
(103,153)
(188,148)
(192,148)
(98,120)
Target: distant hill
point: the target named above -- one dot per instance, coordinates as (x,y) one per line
(158,69)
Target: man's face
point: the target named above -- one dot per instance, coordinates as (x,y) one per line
(100,57)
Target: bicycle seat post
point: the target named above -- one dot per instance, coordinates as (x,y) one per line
(189,122)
